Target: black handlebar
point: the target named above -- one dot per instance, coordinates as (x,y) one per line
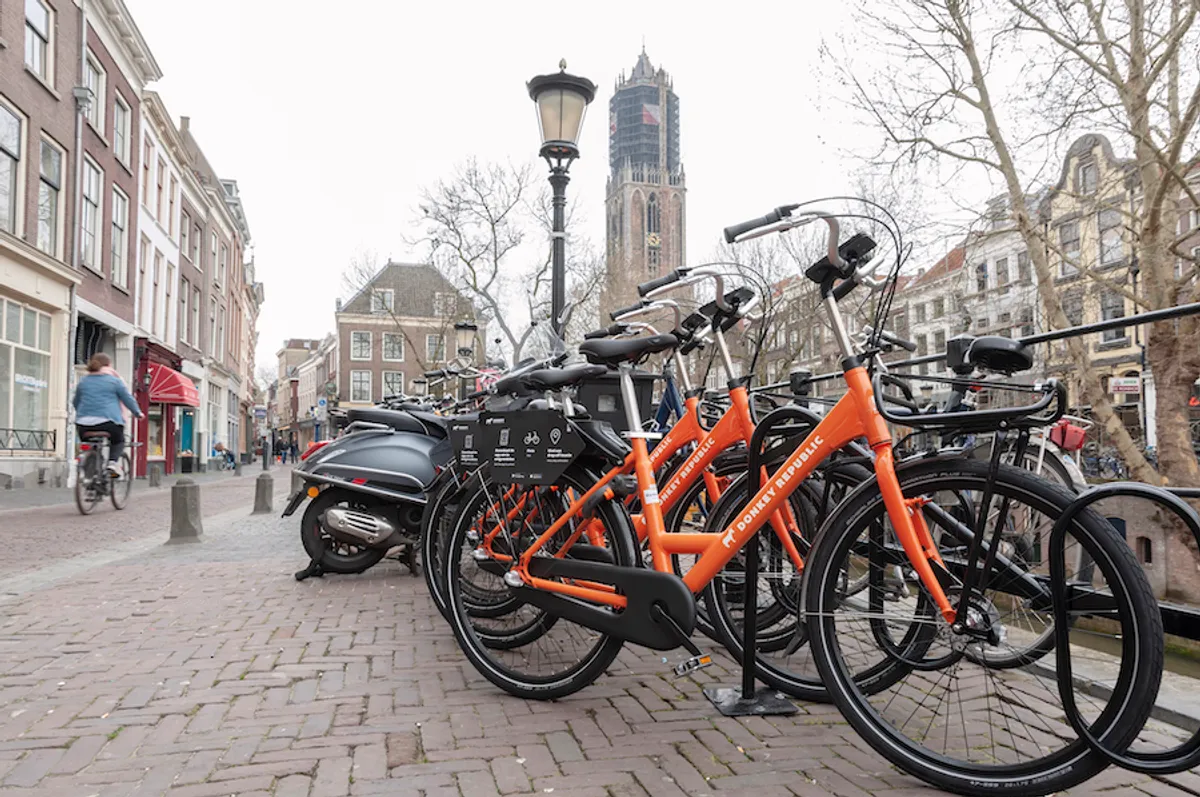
(615,314)
(666,279)
(435,374)
(607,332)
(896,340)
(781,212)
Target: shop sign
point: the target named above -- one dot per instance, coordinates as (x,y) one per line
(1125,384)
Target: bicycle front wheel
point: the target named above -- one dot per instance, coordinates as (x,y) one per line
(119,486)
(950,717)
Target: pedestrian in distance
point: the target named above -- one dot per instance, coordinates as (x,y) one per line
(97,401)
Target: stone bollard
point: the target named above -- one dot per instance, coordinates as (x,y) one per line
(185,512)
(155,474)
(263,486)
(237,467)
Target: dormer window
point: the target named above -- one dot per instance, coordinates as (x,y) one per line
(1085,178)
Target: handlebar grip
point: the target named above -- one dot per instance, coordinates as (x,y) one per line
(733,231)
(435,374)
(843,288)
(655,284)
(896,340)
(607,332)
(615,314)
(560,359)
(477,394)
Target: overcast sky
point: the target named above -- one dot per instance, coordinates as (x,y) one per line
(332,116)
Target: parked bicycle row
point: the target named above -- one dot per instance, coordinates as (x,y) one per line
(908,570)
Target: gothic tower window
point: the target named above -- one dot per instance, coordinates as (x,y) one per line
(653,222)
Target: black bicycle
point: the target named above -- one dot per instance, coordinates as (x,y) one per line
(93,479)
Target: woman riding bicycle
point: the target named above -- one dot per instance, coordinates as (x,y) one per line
(97,402)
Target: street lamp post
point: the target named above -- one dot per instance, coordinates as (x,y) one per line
(562,100)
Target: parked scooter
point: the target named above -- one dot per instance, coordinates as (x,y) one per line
(371,487)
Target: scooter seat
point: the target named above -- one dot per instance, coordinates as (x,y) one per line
(558,378)
(1003,355)
(435,424)
(398,420)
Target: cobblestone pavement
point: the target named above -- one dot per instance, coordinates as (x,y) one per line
(35,537)
(207,670)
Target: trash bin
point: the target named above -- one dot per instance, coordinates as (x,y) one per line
(187,463)
(602,397)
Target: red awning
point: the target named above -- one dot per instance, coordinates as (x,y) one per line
(171,387)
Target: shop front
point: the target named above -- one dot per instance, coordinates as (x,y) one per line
(168,399)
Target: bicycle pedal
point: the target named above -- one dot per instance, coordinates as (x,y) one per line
(692,664)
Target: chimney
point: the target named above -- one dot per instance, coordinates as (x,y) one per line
(338,306)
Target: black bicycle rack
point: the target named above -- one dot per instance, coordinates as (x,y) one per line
(745,701)
(1165,762)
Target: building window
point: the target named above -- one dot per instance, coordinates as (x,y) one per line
(167,305)
(155,276)
(24,367)
(185,227)
(1109,223)
(939,307)
(919,313)
(922,345)
(147,160)
(37,39)
(94,81)
(1145,551)
(1085,178)
(653,216)
(384,301)
(1068,241)
(212,255)
(1002,274)
(49,188)
(1112,305)
(121,129)
(1073,309)
(981,278)
(445,305)
(91,214)
(119,264)
(212,326)
(393,383)
(360,345)
(360,386)
(982,322)
(159,175)
(171,206)
(1023,273)
(194,334)
(185,295)
(10,157)
(393,347)
(652,259)
(220,352)
(222,264)
(1026,321)
(939,341)
(197,241)
(435,348)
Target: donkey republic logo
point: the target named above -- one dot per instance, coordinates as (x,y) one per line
(778,483)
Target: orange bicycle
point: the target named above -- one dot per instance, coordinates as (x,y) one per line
(906,672)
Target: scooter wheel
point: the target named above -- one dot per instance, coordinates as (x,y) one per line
(333,555)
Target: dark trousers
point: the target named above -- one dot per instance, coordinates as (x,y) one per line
(116,437)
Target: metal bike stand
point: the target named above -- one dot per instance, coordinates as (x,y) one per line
(746,701)
(1180,758)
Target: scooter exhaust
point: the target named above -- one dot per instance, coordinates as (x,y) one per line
(361,527)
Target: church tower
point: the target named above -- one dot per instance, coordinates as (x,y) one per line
(646,202)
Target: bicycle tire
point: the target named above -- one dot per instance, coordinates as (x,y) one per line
(1117,724)
(619,533)
(85,499)
(435,522)
(123,484)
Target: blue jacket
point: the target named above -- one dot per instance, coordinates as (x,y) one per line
(101,395)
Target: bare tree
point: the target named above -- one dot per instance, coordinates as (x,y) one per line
(949,97)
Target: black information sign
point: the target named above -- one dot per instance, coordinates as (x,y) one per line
(530,447)
(465,435)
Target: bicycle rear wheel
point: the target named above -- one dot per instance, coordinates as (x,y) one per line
(87,492)
(949,717)
(563,657)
